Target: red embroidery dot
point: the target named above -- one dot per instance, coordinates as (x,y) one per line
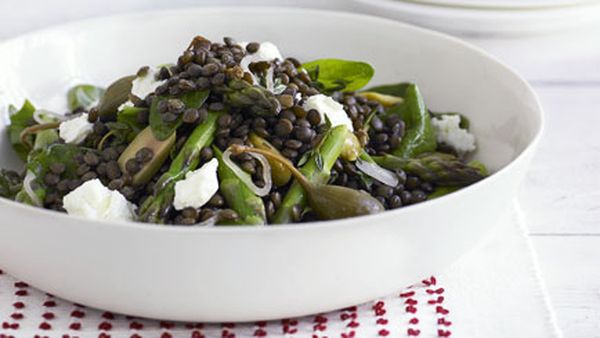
(103,335)
(383,332)
(135,335)
(166,335)
(21,293)
(108,315)
(407,294)
(443,321)
(228,325)
(105,326)
(382,321)
(17,316)
(413,332)
(21,285)
(411,301)
(19,305)
(261,323)
(197,334)
(353,324)
(45,326)
(411,309)
(260,333)
(380,312)
(48,315)
(442,333)
(414,321)
(49,303)
(136,326)
(77,314)
(440,309)
(75,326)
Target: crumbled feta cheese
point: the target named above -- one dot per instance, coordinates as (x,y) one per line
(266,52)
(145,84)
(75,130)
(93,200)
(326,106)
(198,186)
(447,129)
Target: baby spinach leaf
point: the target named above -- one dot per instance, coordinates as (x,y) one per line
(336,74)
(420,136)
(84,96)
(396,89)
(20,120)
(161,129)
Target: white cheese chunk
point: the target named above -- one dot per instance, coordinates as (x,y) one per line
(145,84)
(266,52)
(75,130)
(95,201)
(198,186)
(327,106)
(447,130)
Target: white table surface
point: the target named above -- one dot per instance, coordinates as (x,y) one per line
(561,195)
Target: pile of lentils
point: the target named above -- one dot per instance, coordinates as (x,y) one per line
(294,132)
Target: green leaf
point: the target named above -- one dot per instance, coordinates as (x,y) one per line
(420,135)
(20,120)
(396,89)
(84,96)
(336,74)
(161,129)
(129,117)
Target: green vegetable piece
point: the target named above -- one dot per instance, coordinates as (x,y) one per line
(239,197)
(160,152)
(45,153)
(280,174)
(10,183)
(439,168)
(84,96)
(396,89)
(162,129)
(420,135)
(327,201)
(339,75)
(326,154)
(20,120)
(445,190)
(253,99)
(383,99)
(115,95)
(155,207)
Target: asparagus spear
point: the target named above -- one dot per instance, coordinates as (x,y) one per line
(316,170)
(155,207)
(255,99)
(248,206)
(439,168)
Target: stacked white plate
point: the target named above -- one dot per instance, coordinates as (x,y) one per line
(486,17)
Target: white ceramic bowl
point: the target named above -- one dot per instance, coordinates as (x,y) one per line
(255,273)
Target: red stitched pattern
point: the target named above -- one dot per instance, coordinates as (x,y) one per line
(407,315)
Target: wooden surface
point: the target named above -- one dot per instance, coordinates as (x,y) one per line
(561,195)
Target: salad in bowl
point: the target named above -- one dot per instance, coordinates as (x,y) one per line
(237,134)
